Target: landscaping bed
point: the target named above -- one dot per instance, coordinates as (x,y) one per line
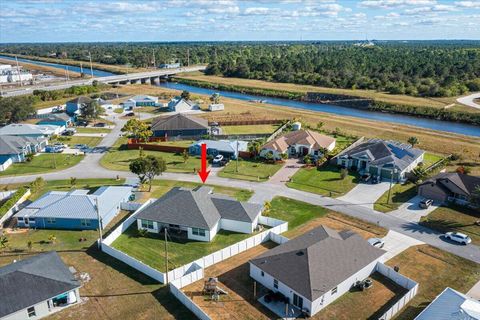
(250,170)
(325,181)
(454,218)
(434,270)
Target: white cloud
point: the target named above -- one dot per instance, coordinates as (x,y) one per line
(436,8)
(258,11)
(468,4)
(387,4)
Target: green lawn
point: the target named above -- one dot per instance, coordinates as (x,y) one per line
(43,163)
(73,140)
(179,143)
(118,158)
(249,170)
(150,249)
(325,181)
(92,130)
(454,218)
(118,110)
(400,194)
(254,129)
(294,212)
(430,158)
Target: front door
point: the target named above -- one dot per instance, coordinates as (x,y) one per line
(25,220)
(297,301)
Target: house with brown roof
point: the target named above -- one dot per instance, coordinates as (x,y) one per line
(298,143)
(450,187)
(316,268)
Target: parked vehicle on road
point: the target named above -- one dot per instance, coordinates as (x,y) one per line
(376,242)
(458,237)
(425,203)
(130,114)
(53,149)
(81,146)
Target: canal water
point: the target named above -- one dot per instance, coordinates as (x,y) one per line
(86,66)
(446,126)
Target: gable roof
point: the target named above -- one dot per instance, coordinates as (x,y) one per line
(15,144)
(464,182)
(56,117)
(143,97)
(179,121)
(198,208)
(80,100)
(451,305)
(228,146)
(322,259)
(76,204)
(26,129)
(384,153)
(33,280)
(303,137)
(179,100)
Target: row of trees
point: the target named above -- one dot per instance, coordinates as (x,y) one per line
(16,109)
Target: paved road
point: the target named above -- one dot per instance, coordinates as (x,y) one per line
(468,100)
(264,191)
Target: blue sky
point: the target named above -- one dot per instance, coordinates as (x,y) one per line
(186,20)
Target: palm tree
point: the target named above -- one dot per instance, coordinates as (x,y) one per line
(413,141)
(254,148)
(3,242)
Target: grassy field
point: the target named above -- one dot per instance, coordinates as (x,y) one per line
(118,158)
(249,170)
(379,96)
(433,141)
(73,140)
(255,129)
(434,270)
(454,218)
(92,130)
(325,181)
(43,163)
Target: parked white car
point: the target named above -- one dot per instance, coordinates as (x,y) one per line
(458,237)
(376,242)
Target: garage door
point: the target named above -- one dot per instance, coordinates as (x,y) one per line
(373,171)
(387,174)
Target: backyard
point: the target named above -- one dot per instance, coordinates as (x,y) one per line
(325,181)
(454,218)
(43,163)
(434,270)
(250,170)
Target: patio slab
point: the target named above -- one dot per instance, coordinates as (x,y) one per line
(279,309)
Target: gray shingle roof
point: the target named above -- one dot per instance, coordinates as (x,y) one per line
(321,258)
(81,100)
(15,129)
(33,280)
(197,208)
(464,182)
(179,122)
(385,153)
(15,144)
(56,117)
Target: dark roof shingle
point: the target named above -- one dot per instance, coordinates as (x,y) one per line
(179,122)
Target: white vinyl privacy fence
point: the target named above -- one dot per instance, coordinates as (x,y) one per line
(402,281)
(15,207)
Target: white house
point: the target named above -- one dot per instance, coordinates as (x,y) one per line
(381,158)
(179,104)
(198,214)
(451,305)
(36,287)
(216,107)
(316,268)
(298,144)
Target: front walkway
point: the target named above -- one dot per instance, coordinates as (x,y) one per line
(410,211)
(283,175)
(396,243)
(366,194)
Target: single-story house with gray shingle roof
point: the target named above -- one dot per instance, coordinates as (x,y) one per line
(178,104)
(180,126)
(317,267)
(36,287)
(450,187)
(198,214)
(76,209)
(381,158)
(75,106)
(15,149)
(56,119)
(227,148)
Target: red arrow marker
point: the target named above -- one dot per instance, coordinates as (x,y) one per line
(203,173)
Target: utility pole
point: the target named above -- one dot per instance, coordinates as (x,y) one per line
(153,53)
(394,171)
(166,257)
(18,72)
(81,67)
(91,68)
(236,169)
(188,57)
(65,71)
(68,73)
(100,239)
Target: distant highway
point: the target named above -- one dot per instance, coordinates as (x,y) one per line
(139,77)
(469,100)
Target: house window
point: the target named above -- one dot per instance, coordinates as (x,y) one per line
(275,283)
(262,273)
(85,222)
(31,312)
(147,224)
(334,290)
(51,220)
(198,232)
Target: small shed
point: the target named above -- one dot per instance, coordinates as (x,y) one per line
(216,107)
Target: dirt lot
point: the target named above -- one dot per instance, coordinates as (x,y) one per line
(233,275)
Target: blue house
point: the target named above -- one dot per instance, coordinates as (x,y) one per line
(74,210)
(227,148)
(56,119)
(75,106)
(16,148)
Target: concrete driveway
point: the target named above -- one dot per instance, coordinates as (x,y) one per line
(396,243)
(366,194)
(410,210)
